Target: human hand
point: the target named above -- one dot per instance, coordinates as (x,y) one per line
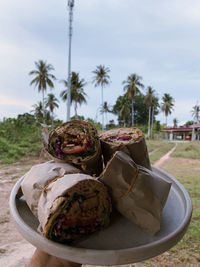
(42,259)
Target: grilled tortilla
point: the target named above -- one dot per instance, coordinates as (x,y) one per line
(73,207)
(77,142)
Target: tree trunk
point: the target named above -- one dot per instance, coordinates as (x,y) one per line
(132,110)
(152,121)
(75,110)
(43,105)
(132,113)
(52,119)
(166,120)
(149,122)
(102,108)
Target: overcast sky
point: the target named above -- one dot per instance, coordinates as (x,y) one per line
(158,40)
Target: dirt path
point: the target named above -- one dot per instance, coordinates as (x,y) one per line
(14,250)
(160,162)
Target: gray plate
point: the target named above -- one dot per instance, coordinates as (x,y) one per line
(122,242)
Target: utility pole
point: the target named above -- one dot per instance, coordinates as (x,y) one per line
(70,5)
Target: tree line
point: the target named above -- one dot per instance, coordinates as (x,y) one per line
(132,107)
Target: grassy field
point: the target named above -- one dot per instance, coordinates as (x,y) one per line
(162,150)
(187,150)
(154,145)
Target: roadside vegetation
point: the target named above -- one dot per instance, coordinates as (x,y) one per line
(190,150)
(19,138)
(163,149)
(154,145)
(186,252)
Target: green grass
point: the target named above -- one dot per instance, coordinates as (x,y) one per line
(190,178)
(161,152)
(187,150)
(154,144)
(19,141)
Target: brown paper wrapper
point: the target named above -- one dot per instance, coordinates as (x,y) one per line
(64,189)
(135,148)
(91,164)
(39,176)
(137,193)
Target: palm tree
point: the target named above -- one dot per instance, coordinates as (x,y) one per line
(196,112)
(155,105)
(101,78)
(124,111)
(131,87)
(105,109)
(175,122)
(51,103)
(38,111)
(149,102)
(167,105)
(77,91)
(43,78)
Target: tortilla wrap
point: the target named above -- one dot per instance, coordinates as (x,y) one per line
(73,207)
(129,140)
(76,142)
(39,176)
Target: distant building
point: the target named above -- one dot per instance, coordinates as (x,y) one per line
(183,133)
(195,131)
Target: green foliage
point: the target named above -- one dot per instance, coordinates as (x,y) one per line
(188,150)
(20,138)
(140,110)
(98,125)
(81,118)
(161,152)
(111,125)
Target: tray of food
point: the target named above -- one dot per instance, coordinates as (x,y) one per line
(125,212)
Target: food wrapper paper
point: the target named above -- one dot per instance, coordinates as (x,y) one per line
(137,193)
(39,176)
(136,149)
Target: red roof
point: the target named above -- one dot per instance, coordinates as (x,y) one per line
(195,125)
(177,130)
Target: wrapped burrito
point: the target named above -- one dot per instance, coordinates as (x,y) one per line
(39,176)
(73,207)
(77,142)
(137,193)
(128,140)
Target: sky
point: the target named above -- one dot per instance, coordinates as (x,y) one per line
(158,40)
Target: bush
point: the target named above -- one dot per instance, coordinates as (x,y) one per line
(20,138)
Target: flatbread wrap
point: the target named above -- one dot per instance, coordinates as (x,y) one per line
(77,142)
(136,192)
(39,176)
(73,207)
(129,140)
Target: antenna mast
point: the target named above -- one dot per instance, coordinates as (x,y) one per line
(70,5)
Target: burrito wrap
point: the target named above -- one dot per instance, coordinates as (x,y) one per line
(76,142)
(39,176)
(146,197)
(129,140)
(72,207)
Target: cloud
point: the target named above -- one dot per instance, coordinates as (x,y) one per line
(155,39)
(8,101)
